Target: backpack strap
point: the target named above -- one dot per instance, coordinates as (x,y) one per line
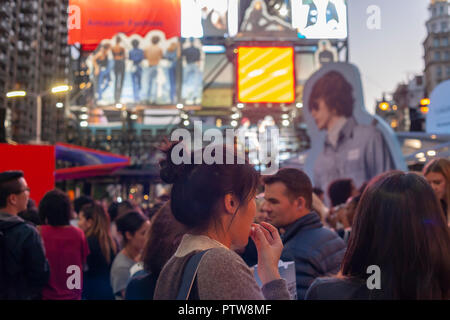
(189,275)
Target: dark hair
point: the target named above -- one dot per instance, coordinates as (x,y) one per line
(164,237)
(318,191)
(198,188)
(130,222)
(297,184)
(336,91)
(79,202)
(155,39)
(135,43)
(55,208)
(340,190)
(9,184)
(117,209)
(31,213)
(399,226)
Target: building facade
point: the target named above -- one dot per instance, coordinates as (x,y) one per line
(436,45)
(34,56)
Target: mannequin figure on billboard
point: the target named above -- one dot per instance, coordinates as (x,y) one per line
(192,76)
(136,55)
(101,70)
(153,54)
(119,68)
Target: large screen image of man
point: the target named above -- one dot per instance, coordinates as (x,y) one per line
(347,142)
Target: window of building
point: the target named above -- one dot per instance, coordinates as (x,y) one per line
(444,26)
(437,56)
(433,27)
(439,72)
(447,55)
(444,42)
(448,71)
(436,43)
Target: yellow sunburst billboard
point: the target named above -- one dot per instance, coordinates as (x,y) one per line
(265,75)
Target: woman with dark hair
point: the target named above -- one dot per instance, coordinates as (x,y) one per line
(437,173)
(164,237)
(399,230)
(216,202)
(66,248)
(134,227)
(94,221)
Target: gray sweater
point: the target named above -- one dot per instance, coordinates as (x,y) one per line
(222,274)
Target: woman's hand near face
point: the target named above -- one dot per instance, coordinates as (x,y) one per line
(269,246)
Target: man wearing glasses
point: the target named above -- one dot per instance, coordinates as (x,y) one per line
(24,270)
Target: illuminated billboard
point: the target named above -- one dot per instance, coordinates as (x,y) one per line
(259,22)
(89,22)
(209,18)
(146,71)
(320,19)
(265,75)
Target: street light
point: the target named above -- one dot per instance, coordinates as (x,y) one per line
(38,96)
(13,94)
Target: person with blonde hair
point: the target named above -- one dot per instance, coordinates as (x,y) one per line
(437,173)
(95,223)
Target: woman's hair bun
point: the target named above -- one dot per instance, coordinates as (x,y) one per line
(171,172)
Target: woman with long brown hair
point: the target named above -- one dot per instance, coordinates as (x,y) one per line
(437,173)
(94,221)
(399,247)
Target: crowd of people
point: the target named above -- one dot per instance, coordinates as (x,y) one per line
(220,220)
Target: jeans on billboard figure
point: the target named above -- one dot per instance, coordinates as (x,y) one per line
(137,56)
(118,53)
(192,76)
(171,55)
(102,71)
(153,54)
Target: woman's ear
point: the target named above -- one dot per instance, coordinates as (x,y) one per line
(230,203)
(128,236)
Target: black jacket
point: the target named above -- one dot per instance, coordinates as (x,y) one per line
(341,289)
(317,251)
(24,263)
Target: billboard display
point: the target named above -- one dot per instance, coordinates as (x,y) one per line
(438,116)
(209,18)
(265,74)
(346,141)
(90,22)
(260,23)
(320,19)
(149,70)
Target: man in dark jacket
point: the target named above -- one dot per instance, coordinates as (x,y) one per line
(24,268)
(316,250)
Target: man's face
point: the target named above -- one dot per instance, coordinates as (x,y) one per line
(322,115)
(20,199)
(280,210)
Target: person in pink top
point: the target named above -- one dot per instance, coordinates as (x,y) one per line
(66,248)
